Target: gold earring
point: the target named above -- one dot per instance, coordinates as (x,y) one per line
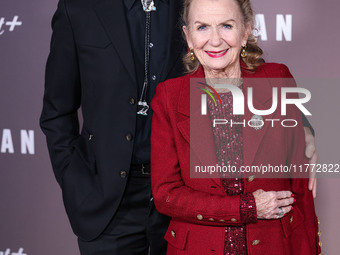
(192,56)
(244,53)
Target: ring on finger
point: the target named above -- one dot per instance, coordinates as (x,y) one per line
(281,212)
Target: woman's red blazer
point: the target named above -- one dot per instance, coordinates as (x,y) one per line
(199,207)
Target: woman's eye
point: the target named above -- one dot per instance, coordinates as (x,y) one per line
(227,26)
(202,27)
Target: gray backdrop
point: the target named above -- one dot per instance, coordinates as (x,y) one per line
(302,34)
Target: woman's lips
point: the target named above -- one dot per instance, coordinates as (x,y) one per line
(217,54)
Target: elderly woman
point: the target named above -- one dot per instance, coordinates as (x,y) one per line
(228,215)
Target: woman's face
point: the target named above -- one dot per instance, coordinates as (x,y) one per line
(216,33)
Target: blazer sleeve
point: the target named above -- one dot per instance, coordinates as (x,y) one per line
(171,195)
(296,157)
(59,119)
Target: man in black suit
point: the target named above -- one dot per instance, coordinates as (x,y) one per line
(97,62)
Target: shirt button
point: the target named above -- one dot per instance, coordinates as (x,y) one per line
(153,77)
(211,219)
(291,220)
(233,220)
(150,45)
(173,233)
(251,178)
(132,100)
(199,217)
(128,137)
(255,242)
(123,174)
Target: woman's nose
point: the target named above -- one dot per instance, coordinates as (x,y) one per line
(215,38)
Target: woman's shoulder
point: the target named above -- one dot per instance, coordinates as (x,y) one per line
(273,70)
(175,81)
(171,90)
(175,85)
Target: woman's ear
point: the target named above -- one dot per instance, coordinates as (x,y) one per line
(187,36)
(247,31)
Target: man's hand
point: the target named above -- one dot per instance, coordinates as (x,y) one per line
(312,155)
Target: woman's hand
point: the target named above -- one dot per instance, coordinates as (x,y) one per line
(273,204)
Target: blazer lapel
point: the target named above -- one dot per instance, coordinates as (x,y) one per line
(176,41)
(197,130)
(112,16)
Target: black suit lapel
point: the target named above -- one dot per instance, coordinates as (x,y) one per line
(176,41)
(112,16)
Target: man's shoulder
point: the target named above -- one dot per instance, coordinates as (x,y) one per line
(80,2)
(79,5)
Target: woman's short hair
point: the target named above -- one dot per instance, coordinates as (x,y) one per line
(254,52)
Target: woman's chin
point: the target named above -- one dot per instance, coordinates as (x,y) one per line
(215,67)
(220,65)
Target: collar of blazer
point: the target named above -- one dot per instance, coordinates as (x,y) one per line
(112,16)
(203,135)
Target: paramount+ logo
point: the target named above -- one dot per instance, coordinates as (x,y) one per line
(9,252)
(9,25)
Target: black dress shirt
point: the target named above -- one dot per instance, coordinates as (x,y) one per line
(159,36)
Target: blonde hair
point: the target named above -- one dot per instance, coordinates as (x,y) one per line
(254,52)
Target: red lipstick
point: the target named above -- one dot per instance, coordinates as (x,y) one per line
(217,54)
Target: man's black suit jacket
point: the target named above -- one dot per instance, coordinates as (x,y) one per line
(91,66)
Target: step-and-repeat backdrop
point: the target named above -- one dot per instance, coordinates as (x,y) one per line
(301,34)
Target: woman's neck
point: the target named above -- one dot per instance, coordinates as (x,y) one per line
(231,72)
(216,78)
